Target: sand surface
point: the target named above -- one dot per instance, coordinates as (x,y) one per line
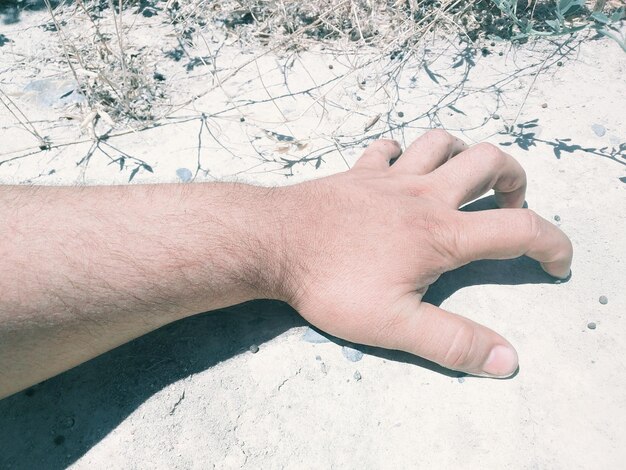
(193,395)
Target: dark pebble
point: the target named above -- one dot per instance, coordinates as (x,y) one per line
(358,98)
(500,53)
(331,66)
(318,358)
(591,325)
(544,105)
(242,119)
(58,440)
(559,63)
(496,116)
(603,300)
(493,44)
(557,218)
(400,114)
(357,375)
(253,349)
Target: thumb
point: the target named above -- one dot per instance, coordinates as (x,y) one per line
(450,340)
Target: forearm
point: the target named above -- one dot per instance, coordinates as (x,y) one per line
(83,270)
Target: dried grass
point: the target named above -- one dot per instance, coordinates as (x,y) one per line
(117,70)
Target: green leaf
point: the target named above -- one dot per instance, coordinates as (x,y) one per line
(618,14)
(599,17)
(565,6)
(554,24)
(432,75)
(615,37)
(133,173)
(456,110)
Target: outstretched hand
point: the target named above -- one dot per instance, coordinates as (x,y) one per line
(366,245)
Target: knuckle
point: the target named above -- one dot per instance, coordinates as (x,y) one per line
(415,187)
(441,137)
(385,143)
(439,134)
(531,225)
(491,152)
(459,354)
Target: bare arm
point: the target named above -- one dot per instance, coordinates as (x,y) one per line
(83,270)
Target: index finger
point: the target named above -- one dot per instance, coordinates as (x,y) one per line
(509,233)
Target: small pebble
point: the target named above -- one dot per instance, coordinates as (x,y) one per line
(312,336)
(603,300)
(184,174)
(351,354)
(331,66)
(559,63)
(358,98)
(557,218)
(591,325)
(357,375)
(242,119)
(500,53)
(495,117)
(493,44)
(461,380)
(318,358)
(400,114)
(544,105)
(598,130)
(253,349)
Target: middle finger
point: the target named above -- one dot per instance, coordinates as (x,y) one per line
(477,170)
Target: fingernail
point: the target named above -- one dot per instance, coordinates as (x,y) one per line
(560,280)
(502,361)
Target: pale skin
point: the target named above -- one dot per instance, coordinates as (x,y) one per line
(83,270)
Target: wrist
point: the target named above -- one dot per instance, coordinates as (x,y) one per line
(254,225)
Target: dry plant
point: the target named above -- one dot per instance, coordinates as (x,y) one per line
(116,51)
(115,76)
(119,80)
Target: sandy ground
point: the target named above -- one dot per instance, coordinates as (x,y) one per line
(194,395)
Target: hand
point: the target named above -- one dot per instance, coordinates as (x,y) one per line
(367,243)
